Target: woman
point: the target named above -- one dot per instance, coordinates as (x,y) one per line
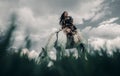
(67,21)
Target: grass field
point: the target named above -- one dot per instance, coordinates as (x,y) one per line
(96,65)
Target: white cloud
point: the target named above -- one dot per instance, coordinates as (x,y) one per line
(98,16)
(24,51)
(106,29)
(96,43)
(88,9)
(36,28)
(79,9)
(110,20)
(92,9)
(31,54)
(101,11)
(105,36)
(109,45)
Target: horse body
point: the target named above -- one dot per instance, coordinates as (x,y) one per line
(60,42)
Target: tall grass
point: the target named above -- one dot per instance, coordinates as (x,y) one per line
(95,65)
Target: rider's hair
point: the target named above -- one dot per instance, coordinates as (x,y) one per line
(62,16)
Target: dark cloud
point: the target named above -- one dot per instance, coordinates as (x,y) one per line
(110,9)
(114,7)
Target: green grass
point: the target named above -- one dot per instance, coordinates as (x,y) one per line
(96,65)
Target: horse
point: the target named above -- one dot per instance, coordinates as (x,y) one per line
(59,41)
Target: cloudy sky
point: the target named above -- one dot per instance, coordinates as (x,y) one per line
(38,18)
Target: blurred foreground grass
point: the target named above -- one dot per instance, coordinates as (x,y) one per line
(96,65)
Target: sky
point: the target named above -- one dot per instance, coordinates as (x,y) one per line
(97,19)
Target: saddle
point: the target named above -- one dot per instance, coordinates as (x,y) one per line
(69,32)
(71,35)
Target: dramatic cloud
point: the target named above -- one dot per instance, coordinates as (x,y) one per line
(79,9)
(109,45)
(34,29)
(106,29)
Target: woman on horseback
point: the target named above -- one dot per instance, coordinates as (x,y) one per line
(67,21)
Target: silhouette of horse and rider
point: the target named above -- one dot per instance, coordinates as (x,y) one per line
(66,38)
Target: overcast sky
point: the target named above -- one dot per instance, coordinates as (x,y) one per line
(84,12)
(95,18)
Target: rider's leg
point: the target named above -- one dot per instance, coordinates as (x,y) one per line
(74,28)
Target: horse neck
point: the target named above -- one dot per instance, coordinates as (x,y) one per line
(56,38)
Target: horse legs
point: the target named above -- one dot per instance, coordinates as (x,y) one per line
(82,50)
(58,57)
(59,52)
(79,51)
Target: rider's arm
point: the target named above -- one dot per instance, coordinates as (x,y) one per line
(71,20)
(62,22)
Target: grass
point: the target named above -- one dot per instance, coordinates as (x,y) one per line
(96,65)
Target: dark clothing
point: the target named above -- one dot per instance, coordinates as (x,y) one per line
(68,22)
